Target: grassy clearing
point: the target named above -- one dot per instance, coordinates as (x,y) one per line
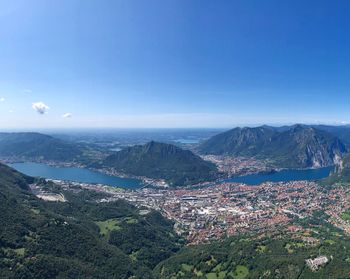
(211,275)
(198,273)
(187,267)
(131,221)
(222,275)
(218,268)
(241,272)
(345,216)
(107,226)
(20,251)
(211,262)
(289,248)
(330,242)
(262,249)
(35,211)
(133,256)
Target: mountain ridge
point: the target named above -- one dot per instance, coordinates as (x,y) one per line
(37,146)
(297,147)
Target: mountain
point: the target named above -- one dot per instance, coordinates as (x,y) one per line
(80,238)
(36,146)
(11,181)
(162,161)
(342,132)
(341,173)
(297,147)
(238,141)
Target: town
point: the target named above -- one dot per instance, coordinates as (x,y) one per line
(238,165)
(209,213)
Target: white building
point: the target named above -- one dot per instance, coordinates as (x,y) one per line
(314,264)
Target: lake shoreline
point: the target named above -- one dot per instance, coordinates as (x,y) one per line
(75,174)
(80,173)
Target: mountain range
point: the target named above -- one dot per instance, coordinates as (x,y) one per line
(340,131)
(295,147)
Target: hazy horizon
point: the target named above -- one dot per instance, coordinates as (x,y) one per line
(149,129)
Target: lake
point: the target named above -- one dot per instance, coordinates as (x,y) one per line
(283,176)
(88,176)
(75,174)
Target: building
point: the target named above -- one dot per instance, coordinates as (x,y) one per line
(315,264)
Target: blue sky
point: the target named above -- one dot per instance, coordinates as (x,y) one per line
(173,63)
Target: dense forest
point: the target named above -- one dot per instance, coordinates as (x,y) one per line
(79,238)
(163,161)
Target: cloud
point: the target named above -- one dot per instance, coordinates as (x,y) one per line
(40,107)
(27,90)
(2,99)
(67,115)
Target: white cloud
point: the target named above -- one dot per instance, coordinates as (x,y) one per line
(2,99)
(40,107)
(67,115)
(27,90)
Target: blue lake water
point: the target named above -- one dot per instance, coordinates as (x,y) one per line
(75,174)
(283,176)
(88,176)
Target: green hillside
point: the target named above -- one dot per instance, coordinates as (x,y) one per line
(251,256)
(163,161)
(40,147)
(37,146)
(79,238)
(295,147)
(345,168)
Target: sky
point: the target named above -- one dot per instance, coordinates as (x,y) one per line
(173,63)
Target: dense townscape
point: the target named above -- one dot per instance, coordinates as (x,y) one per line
(239,165)
(210,213)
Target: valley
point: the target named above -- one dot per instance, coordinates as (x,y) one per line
(188,203)
(295,220)
(174,139)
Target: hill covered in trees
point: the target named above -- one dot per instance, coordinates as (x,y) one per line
(294,147)
(270,256)
(79,238)
(36,146)
(162,161)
